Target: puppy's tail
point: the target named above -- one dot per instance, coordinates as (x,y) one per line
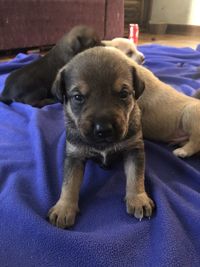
(5,100)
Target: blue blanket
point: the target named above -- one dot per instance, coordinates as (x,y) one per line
(32,145)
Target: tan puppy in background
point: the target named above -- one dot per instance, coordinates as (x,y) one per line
(127,47)
(167,115)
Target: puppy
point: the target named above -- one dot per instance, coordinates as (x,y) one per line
(168,115)
(32,83)
(100,89)
(127,47)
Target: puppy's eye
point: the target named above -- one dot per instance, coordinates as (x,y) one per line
(129,53)
(123,94)
(78,98)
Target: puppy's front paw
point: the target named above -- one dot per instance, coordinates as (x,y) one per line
(180,152)
(62,215)
(139,205)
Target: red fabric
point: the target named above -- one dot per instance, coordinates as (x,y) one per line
(37,23)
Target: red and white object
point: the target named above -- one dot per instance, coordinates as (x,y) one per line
(133,33)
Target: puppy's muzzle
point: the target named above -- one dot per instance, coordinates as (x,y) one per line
(100,130)
(140,59)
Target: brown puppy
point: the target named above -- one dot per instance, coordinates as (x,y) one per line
(100,89)
(167,115)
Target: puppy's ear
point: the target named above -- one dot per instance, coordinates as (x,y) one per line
(138,84)
(83,41)
(58,88)
(75,44)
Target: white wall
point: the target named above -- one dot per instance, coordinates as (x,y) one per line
(194,17)
(185,12)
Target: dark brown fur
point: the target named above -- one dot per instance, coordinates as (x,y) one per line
(99,90)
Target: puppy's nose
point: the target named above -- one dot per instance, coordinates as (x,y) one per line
(103,130)
(142,59)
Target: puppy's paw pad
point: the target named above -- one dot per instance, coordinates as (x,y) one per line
(140,206)
(180,152)
(62,216)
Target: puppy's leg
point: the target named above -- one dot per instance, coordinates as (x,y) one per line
(190,124)
(137,201)
(64,212)
(190,148)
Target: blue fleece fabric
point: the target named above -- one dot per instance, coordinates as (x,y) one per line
(32,143)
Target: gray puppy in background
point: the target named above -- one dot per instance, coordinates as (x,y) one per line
(32,83)
(100,89)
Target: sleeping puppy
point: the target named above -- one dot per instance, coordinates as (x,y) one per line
(32,83)
(127,47)
(99,89)
(168,115)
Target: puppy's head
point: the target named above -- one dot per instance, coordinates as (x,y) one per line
(100,88)
(127,47)
(79,39)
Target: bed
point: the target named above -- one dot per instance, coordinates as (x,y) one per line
(32,144)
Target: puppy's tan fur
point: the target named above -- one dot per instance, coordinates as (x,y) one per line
(127,47)
(168,115)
